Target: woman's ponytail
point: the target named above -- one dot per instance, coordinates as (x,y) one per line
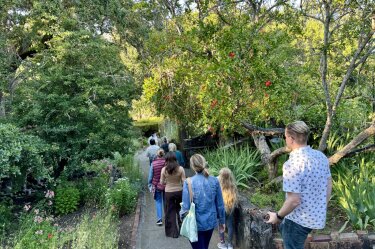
(198,164)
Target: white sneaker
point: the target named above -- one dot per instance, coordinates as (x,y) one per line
(230,246)
(222,245)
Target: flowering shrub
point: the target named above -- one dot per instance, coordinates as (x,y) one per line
(122,198)
(36,231)
(93,231)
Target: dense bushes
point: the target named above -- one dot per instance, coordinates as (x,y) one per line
(67,199)
(101,186)
(21,156)
(109,185)
(122,198)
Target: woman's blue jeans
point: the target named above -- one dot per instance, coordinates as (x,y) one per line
(293,234)
(159,204)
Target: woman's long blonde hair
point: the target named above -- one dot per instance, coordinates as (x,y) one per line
(229,189)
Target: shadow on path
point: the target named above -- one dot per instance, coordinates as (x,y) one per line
(151,236)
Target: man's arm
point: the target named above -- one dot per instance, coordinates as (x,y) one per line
(292,201)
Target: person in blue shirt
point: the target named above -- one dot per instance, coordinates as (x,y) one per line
(208,200)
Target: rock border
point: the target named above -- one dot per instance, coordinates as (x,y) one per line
(137,216)
(359,239)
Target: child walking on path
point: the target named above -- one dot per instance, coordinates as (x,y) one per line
(229,190)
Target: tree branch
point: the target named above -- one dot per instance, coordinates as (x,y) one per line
(255,130)
(276,153)
(367,148)
(370,131)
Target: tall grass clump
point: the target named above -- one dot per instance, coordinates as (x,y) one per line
(242,161)
(355,192)
(97,231)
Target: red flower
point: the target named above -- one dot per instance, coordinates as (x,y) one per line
(266,95)
(232,54)
(167,97)
(213,103)
(268,83)
(50,236)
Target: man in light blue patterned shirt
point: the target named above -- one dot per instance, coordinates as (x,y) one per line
(308,185)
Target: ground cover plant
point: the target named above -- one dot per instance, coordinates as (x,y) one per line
(38,230)
(97,227)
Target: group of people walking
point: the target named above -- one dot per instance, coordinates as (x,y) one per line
(306,181)
(215,197)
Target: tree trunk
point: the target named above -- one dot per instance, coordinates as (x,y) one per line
(2,105)
(325,134)
(265,154)
(324,71)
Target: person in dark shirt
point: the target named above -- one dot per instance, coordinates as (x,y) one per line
(165,144)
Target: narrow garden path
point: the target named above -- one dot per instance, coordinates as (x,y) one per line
(151,236)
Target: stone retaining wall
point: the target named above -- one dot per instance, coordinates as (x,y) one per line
(251,232)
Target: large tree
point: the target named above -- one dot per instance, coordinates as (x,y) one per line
(69,73)
(264,63)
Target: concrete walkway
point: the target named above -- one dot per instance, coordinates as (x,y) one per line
(151,236)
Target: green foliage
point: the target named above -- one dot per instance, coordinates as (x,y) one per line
(148,124)
(21,156)
(96,231)
(268,200)
(215,74)
(355,190)
(128,167)
(36,231)
(77,95)
(66,198)
(92,190)
(97,176)
(6,218)
(243,162)
(336,142)
(122,198)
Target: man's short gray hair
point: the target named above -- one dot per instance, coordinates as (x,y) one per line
(299,131)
